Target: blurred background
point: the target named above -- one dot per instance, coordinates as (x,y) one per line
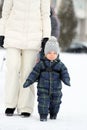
(73,24)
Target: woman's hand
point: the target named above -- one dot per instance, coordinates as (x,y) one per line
(1,41)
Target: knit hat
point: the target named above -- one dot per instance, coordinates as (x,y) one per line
(52,45)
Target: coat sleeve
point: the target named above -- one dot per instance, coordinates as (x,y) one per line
(6,10)
(65,75)
(33,76)
(45,15)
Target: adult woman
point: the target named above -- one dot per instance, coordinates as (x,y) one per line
(24,24)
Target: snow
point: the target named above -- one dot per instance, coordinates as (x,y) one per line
(73,111)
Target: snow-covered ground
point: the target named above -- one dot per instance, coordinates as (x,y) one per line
(73,111)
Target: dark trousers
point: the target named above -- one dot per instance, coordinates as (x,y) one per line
(49,103)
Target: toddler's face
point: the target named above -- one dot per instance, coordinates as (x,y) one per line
(51,55)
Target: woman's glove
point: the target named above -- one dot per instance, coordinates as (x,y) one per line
(44,40)
(1,41)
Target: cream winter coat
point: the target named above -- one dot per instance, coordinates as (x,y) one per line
(25,22)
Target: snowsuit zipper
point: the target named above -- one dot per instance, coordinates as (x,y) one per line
(50,81)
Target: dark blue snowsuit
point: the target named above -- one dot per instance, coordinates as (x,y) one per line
(49,84)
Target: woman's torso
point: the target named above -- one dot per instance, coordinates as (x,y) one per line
(24,25)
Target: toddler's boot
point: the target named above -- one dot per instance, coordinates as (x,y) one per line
(43,117)
(53,116)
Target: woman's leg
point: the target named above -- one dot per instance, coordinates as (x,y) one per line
(12,77)
(27,95)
